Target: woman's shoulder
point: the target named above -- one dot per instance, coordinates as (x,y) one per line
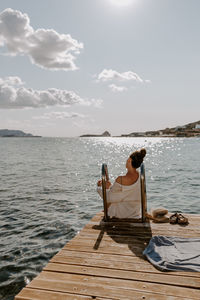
(127,181)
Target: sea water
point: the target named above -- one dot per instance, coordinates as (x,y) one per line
(48,192)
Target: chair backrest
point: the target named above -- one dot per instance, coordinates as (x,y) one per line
(143,193)
(105,177)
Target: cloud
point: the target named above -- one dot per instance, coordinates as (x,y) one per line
(59,115)
(12,80)
(114,88)
(12,96)
(45,47)
(108,75)
(128,78)
(96,102)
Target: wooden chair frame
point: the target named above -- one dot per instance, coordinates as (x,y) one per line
(105,178)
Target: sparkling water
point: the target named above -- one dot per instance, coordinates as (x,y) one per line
(48,192)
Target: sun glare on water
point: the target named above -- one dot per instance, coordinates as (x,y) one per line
(122,3)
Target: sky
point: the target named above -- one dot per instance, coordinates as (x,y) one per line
(73,67)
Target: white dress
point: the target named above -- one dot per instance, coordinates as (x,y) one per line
(124,200)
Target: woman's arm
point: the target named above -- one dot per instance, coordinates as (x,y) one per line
(99,187)
(119,179)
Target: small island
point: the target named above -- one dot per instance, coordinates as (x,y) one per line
(104,134)
(15,133)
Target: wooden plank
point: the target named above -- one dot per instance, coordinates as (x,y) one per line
(177,230)
(146,226)
(38,294)
(112,238)
(108,250)
(103,264)
(193,224)
(100,214)
(119,244)
(118,262)
(33,294)
(115,242)
(71,254)
(100,286)
(129,232)
(184,281)
(193,218)
(137,226)
(110,234)
(97,236)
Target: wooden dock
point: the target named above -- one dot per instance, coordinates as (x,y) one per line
(106,262)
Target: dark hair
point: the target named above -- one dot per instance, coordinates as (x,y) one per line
(137,158)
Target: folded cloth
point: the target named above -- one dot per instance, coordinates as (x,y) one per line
(174,253)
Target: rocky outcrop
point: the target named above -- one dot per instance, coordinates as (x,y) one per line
(104,134)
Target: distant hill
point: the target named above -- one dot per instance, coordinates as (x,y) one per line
(188,130)
(14,133)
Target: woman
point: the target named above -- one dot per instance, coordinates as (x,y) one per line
(124,196)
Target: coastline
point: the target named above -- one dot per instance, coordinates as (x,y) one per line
(145,136)
(188,130)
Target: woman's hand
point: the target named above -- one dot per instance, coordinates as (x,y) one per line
(108,184)
(99,182)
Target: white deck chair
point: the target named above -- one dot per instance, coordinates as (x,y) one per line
(105,178)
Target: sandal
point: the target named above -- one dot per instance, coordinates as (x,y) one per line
(173,219)
(182,220)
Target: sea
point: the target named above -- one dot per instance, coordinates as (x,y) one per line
(48,192)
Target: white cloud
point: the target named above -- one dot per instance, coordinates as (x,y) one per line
(96,102)
(21,97)
(12,80)
(115,88)
(45,47)
(59,115)
(108,75)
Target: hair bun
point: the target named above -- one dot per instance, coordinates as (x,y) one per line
(143,152)
(137,157)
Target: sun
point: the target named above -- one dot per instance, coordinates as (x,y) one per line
(121,3)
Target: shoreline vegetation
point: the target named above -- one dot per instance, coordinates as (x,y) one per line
(188,130)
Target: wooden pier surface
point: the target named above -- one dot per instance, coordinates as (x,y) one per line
(106,262)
